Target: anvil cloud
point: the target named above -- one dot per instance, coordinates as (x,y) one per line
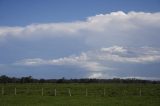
(104,46)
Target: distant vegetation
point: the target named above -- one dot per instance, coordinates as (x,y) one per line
(30,79)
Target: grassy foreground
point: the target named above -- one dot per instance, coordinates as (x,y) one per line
(81,95)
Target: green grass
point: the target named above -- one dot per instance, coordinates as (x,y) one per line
(115,95)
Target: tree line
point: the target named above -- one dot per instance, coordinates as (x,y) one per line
(29,79)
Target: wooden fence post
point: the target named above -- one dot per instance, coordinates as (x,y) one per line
(42,91)
(86,92)
(55,92)
(69,92)
(104,92)
(140,92)
(2,91)
(15,91)
(27,90)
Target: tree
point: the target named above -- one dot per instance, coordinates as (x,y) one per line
(4,79)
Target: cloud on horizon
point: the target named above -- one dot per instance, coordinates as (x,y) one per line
(142,55)
(96,62)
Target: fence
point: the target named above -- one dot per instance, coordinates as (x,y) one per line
(71,92)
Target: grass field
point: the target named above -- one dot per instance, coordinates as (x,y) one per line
(80,95)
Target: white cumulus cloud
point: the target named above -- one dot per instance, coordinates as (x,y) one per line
(115,28)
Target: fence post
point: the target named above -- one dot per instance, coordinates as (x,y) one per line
(55,92)
(86,92)
(104,92)
(27,90)
(69,92)
(124,92)
(2,91)
(42,91)
(15,91)
(140,92)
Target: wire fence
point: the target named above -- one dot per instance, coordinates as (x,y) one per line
(77,92)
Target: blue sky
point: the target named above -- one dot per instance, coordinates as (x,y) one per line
(80,38)
(24,12)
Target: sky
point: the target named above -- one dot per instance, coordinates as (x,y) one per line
(80,38)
